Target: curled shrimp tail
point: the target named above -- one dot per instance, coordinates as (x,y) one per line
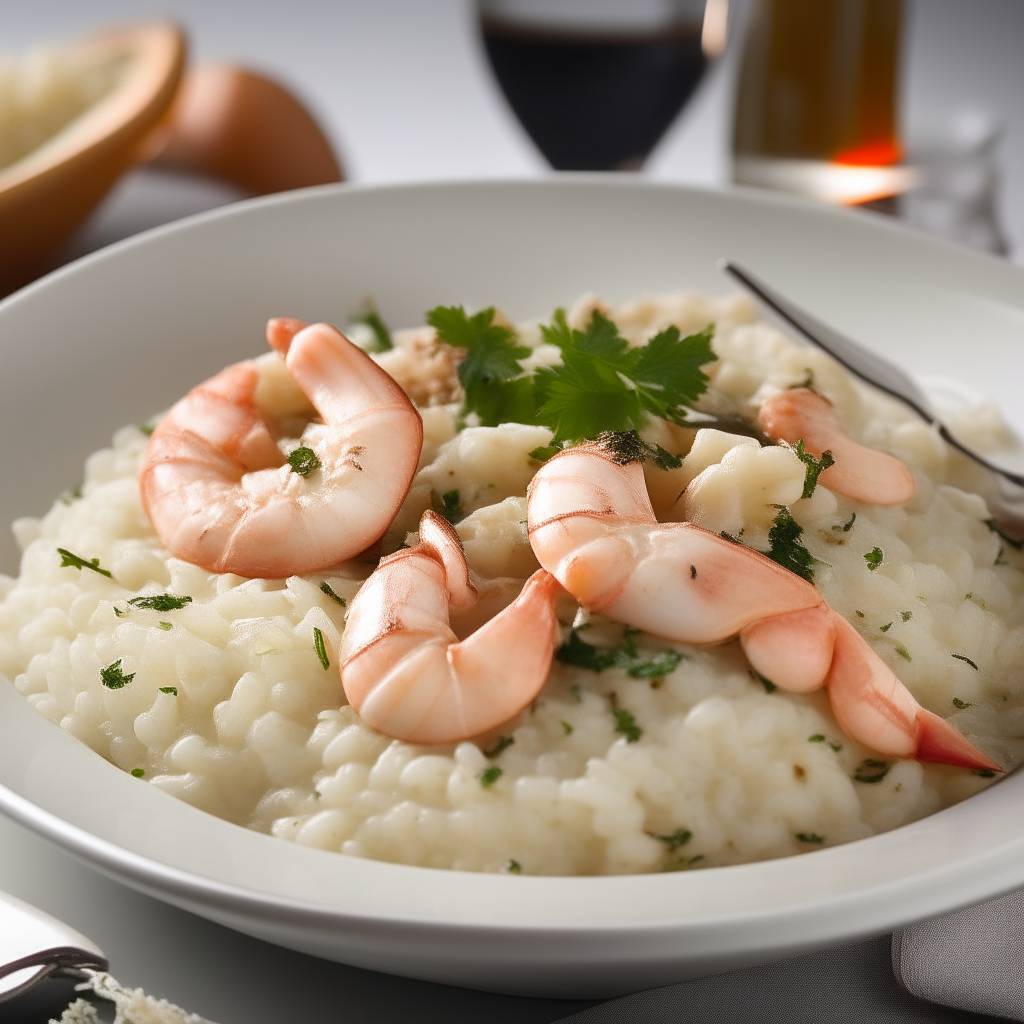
(406,672)
(866,474)
(873,706)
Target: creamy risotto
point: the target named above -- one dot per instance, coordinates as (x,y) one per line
(638,755)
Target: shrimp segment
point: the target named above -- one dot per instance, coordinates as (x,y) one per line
(220,494)
(859,472)
(406,672)
(592,526)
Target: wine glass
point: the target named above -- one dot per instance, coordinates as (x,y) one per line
(596,83)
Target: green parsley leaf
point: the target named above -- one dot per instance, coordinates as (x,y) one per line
(963,657)
(514,867)
(906,616)
(381,335)
(903,652)
(160,602)
(626,446)
(326,588)
(820,738)
(138,772)
(502,743)
(577,694)
(813,467)
(886,627)
(847,526)
(786,547)
(810,837)
(545,452)
(496,389)
(625,723)
(166,625)
(321,648)
(567,728)
(656,667)
(489,776)
(145,428)
(999,558)
(604,385)
(680,837)
(769,686)
(113,678)
(447,505)
(67,558)
(172,690)
(870,770)
(874,559)
(961,704)
(303,461)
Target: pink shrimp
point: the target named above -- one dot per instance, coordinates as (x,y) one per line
(592,526)
(859,472)
(406,672)
(220,493)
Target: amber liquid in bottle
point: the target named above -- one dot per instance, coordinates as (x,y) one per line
(816,107)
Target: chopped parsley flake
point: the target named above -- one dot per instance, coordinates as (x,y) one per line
(813,468)
(961,704)
(67,558)
(821,738)
(693,572)
(858,613)
(326,588)
(903,652)
(160,602)
(514,867)
(786,546)
(113,678)
(489,776)
(496,388)
(567,728)
(769,686)
(447,505)
(886,627)
(172,690)
(321,648)
(870,770)
(874,558)
(810,837)
(303,461)
(117,611)
(165,625)
(683,863)
(576,651)
(381,335)
(625,723)
(848,525)
(626,446)
(906,616)
(545,452)
(577,694)
(145,428)
(680,837)
(502,743)
(138,772)
(985,773)
(316,794)
(999,558)
(963,657)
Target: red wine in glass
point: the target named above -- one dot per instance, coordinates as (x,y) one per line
(596,92)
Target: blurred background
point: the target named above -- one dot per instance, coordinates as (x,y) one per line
(403,90)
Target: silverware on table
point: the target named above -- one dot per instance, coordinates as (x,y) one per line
(1007,500)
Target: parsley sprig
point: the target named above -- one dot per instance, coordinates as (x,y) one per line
(786,547)
(602,385)
(496,388)
(68,558)
(813,468)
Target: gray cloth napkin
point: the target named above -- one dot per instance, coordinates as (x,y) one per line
(971,962)
(973,959)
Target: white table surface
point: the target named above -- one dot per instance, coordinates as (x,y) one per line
(402,89)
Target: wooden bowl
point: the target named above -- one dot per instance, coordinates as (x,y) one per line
(45,195)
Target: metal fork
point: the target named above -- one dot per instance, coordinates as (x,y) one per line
(1007,501)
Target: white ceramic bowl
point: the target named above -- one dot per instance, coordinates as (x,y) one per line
(125,332)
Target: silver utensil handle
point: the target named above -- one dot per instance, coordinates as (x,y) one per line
(34,945)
